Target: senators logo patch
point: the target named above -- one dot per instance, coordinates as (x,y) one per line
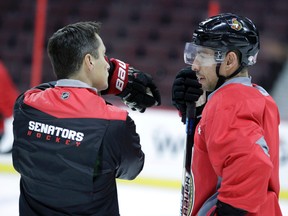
(236,25)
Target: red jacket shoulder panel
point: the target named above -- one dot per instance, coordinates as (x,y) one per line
(67,102)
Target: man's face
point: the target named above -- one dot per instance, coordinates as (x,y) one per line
(202,61)
(100,75)
(206,76)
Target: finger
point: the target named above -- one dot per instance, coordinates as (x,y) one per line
(142,110)
(192,82)
(187,73)
(180,88)
(139,87)
(183,72)
(157,96)
(142,78)
(140,100)
(191,97)
(179,95)
(148,101)
(179,81)
(135,108)
(192,90)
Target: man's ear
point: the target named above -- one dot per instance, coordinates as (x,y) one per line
(231,63)
(88,61)
(232,59)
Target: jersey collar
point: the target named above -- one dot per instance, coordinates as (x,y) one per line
(242,80)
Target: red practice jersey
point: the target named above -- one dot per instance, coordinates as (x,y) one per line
(236,150)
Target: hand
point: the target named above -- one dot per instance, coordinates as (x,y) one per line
(136,89)
(185,89)
(140,91)
(118,76)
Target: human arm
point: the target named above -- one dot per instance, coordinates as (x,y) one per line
(136,88)
(123,144)
(132,156)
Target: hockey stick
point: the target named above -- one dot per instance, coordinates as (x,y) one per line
(187,192)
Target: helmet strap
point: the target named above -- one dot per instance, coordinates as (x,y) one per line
(222,79)
(236,72)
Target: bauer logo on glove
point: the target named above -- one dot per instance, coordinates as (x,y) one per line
(136,88)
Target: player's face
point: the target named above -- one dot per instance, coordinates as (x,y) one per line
(205,67)
(101,67)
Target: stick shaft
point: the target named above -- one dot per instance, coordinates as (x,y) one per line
(188,179)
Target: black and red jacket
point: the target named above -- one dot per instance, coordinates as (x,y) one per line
(69,146)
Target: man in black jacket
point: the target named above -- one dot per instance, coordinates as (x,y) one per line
(69,143)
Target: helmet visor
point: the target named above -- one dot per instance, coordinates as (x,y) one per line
(202,56)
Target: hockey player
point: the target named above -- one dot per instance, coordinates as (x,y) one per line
(69,144)
(235,158)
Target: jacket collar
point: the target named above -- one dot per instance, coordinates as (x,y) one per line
(73,83)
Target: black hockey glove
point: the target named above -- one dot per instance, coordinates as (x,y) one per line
(186,89)
(140,91)
(224,209)
(136,88)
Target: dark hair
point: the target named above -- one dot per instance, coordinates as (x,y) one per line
(68,46)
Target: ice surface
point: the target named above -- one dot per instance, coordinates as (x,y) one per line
(133,199)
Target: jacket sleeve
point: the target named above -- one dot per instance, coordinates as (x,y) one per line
(122,144)
(132,156)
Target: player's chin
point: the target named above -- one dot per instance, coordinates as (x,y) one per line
(104,87)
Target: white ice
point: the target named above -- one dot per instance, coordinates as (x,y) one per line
(134,200)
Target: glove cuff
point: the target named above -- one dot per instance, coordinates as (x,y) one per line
(118,76)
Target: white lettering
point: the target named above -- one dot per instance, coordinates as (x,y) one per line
(51,130)
(58,130)
(37,127)
(44,128)
(72,135)
(79,136)
(121,75)
(65,133)
(121,64)
(54,130)
(119,84)
(31,125)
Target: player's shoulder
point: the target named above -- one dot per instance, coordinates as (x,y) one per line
(239,90)
(71,102)
(235,93)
